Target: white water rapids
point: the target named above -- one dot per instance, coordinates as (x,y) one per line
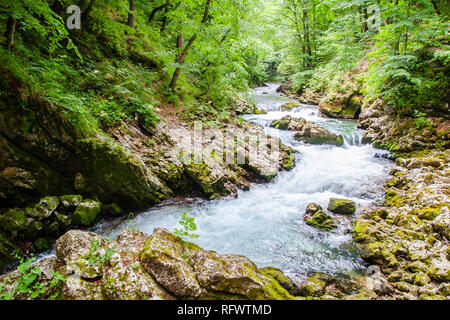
(266,223)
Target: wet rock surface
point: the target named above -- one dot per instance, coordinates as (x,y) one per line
(408,237)
(317,218)
(307,131)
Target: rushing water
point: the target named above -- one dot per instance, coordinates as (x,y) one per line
(266,223)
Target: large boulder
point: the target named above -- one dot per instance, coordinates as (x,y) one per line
(86,212)
(314,134)
(289,106)
(13,221)
(342,206)
(441,223)
(163,256)
(288,123)
(317,218)
(8,250)
(186,270)
(282,279)
(341,107)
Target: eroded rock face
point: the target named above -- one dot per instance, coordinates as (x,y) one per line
(346,106)
(139,266)
(385,130)
(408,236)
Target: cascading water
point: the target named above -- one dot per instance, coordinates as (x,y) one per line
(266,223)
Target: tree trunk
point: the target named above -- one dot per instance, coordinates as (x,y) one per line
(155,10)
(10,32)
(436,8)
(164,20)
(307,44)
(182,55)
(131,15)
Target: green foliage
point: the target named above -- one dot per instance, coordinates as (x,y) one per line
(35,16)
(29,283)
(188,226)
(421,121)
(411,67)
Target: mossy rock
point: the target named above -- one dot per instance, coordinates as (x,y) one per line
(317,135)
(41,244)
(53,229)
(289,106)
(33,230)
(14,220)
(47,206)
(288,163)
(112,209)
(342,206)
(393,198)
(282,124)
(8,251)
(317,218)
(282,279)
(70,200)
(428,213)
(360,231)
(315,285)
(64,220)
(86,212)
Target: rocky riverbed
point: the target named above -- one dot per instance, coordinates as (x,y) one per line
(403,238)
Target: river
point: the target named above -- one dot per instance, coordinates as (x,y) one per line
(266,223)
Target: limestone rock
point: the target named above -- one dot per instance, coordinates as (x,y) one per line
(86,212)
(164,258)
(314,134)
(317,218)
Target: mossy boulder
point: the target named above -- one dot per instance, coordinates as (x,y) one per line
(70,201)
(8,251)
(317,218)
(86,212)
(342,206)
(161,266)
(289,123)
(46,207)
(209,177)
(341,107)
(33,230)
(187,271)
(314,134)
(282,279)
(289,106)
(315,285)
(163,256)
(13,221)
